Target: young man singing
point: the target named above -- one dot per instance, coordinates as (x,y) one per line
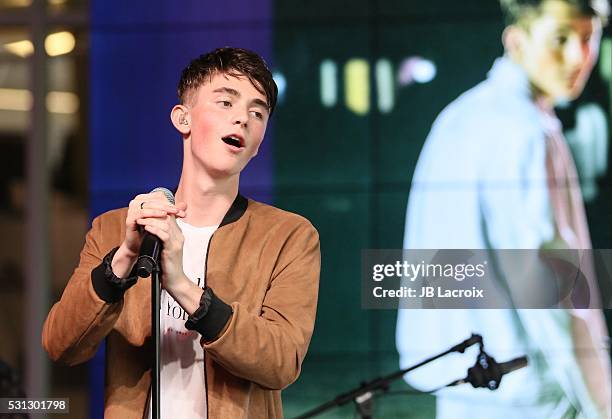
(239,278)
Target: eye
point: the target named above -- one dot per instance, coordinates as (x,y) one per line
(225,103)
(560,40)
(257,114)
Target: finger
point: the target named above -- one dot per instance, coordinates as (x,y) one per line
(138,211)
(154,197)
(141,197)
(151,197)
(163,235)
(161,224)
(158,231)
(135,203)
(160,205)
(152,213)
(182,209)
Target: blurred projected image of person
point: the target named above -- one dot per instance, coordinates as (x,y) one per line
(240,278)
(488,178)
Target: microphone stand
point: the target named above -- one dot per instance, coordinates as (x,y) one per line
(148,265)
(363,395)
(155,338)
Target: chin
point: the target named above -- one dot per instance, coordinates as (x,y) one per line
(577,88)
(576,92)
(565,95)
(217,172)
(568,96)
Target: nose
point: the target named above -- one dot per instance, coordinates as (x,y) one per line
(241,118)
(576,52)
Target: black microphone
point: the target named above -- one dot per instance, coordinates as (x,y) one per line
(488,373)
(151,246)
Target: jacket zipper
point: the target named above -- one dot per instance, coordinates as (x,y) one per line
(204,351)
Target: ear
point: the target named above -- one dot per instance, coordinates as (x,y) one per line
(181,119)
(513,39)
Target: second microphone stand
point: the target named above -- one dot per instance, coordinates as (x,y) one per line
(362,396)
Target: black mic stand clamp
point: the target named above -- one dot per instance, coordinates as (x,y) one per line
(365,405)
(485,373)
(365,402)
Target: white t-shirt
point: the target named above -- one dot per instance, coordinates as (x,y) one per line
(182,380)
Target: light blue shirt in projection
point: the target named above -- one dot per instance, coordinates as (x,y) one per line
(480,183)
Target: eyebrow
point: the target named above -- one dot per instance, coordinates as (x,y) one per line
(565,27)
(228,90)
(236,93)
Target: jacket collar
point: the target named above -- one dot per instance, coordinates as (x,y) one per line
(236,210)
(507,74)
(513,80)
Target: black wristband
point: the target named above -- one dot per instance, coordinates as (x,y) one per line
(211,317)
(107,285)
(201,311)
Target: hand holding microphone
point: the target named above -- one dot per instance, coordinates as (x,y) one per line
(151,246)
(149,223)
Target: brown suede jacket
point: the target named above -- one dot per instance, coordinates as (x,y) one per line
(263,261)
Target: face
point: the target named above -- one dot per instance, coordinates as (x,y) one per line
(228,119)
(558,49)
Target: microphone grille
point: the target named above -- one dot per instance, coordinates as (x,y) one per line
(169,195)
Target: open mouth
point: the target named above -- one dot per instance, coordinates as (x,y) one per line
(233,141)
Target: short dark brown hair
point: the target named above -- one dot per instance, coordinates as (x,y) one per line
(235,62)
(515,11)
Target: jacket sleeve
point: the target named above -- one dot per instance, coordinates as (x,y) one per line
(268,348)
(86,312)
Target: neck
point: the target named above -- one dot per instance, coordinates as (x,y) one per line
(207,199)
(544,103)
